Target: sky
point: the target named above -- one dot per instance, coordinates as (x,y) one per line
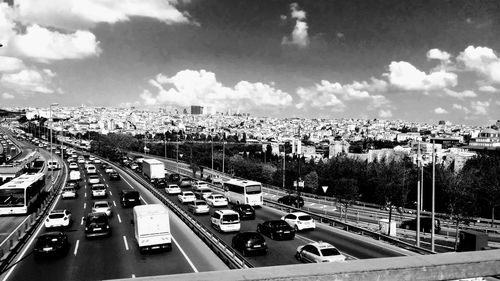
(419,61)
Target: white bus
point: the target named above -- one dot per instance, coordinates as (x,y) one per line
(18,195)
(243,192)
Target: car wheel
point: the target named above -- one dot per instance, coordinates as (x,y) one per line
(297,256)
(272,235)
(258,229)
(296,228)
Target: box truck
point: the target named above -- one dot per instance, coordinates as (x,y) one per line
(152,227)
(153,169)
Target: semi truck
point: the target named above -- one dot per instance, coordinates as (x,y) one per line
(153,169)
(152,227)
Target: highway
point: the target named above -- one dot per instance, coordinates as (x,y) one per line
(116,256)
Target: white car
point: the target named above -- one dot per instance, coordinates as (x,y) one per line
(97,161)
(68,192)
(81,160)
(172,189)
(216,200)
(318,252)
(186,196)
(93,179)
(98,190)
(197,185)
(299,221)
(108,170)
(102,207)
(73,166)
(58,218)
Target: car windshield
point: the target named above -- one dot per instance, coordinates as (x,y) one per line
(101,205)
(56,216)
(280,224)
(98,187)
(218,197)
(48,239)
(97,219)
(200,203)
(305,218)
(94,176)
(188,194)
(69,190)
(330,252)
(253,189)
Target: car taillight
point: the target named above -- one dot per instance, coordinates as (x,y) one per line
(247,199)
(47,220)
(65,218)
(249,244)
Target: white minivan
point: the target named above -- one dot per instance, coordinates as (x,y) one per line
(226,221)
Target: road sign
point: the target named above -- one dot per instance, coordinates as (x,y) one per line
(325,187)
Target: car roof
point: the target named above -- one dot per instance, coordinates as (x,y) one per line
(57,211)
(100,202)
(225,212)
(322,245)
(299,214)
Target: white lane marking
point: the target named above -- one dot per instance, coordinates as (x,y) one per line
(81,223)
(119,219)
(85,186)
(85,194)
(76,247)
(114,204)
(185,256)
(110,193)
(125,241)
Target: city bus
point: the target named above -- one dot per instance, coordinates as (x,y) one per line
(243,192)
(18,195)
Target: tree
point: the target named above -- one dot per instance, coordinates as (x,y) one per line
(460,195)
(347,191)
(311,181)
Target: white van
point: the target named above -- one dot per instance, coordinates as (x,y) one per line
(225,221)
(91,169)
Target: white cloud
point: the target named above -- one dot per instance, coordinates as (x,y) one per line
(328,94)
(7,96)
(78,14)
(385,114)
(42,44)
(438,55)
(440,110)
(482,60)
(315,98)
(299,36)
(461,107)
(479,107)
(29,80)
(407,77)
(10,64)
(460,95)
(190,87)
(488,89)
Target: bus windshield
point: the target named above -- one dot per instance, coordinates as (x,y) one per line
(253,189)
(11,197)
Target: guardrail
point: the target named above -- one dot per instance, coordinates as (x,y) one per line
(11,247)
(228,255)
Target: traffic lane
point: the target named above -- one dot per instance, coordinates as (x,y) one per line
(193,250)
(279,252)
(353,245)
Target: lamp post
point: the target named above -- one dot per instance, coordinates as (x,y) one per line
(50,117)
(223,154)
(177,159)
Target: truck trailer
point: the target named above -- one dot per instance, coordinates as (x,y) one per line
(153,169)
(152,227)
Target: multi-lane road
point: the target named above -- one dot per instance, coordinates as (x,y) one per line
(119,257)
(116,256)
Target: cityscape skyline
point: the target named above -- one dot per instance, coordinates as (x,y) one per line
(418,61)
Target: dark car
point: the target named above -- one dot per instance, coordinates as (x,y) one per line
(185,182)
(245,211)
(249,243)
(174,178)
(292,200)
(97,224)
(160,183)
(425,224)
(51,244)
(130,198)
(276,229)
(114,176)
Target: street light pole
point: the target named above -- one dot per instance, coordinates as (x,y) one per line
(433,193)
(50,117)
(223,155)
(177,159)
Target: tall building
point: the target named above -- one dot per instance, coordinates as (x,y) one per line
(196,110)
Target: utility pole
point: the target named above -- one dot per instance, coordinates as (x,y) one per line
(418,195)
(223,154)
(433,193)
